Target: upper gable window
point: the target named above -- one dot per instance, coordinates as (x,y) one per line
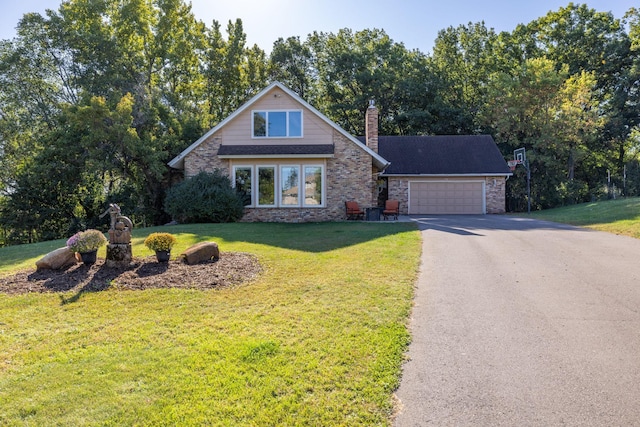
(277,124)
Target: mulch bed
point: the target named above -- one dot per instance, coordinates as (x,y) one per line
(232,268)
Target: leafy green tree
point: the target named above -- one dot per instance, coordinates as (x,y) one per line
(139,81)
(585,40)
(353,68)
(232,72)
(463,58)
(579,37)
(291,63)
(34,86)
(556,119)
(579,121)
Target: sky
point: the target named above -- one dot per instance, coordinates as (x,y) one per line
(415,23)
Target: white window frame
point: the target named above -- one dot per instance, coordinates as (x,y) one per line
(281,200)
(275,185)
(303,185)
(278,203)
(287,125)
(253,181)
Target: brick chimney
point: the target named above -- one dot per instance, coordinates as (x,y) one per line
(371,126)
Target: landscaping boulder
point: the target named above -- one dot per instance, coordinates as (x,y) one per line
(56,260)
(199,252)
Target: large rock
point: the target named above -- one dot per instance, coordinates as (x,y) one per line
(203,251)
(56,260)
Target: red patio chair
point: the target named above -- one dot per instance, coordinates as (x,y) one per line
(391,209)
(354,211)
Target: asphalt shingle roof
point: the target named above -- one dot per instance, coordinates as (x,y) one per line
(301,149)
(442,155)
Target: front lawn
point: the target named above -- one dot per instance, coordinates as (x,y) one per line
(621,216)
(317,339)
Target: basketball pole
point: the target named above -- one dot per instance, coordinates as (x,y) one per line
(520,155)
(526,167)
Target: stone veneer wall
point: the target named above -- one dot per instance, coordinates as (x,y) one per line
(348,178)
(398,189)
(205,159)
(495,194)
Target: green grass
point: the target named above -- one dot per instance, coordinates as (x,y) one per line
(317,340)
(621,216)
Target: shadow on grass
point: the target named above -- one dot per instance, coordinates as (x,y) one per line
(306,237)
(99,277)
(100,281)
(80,278)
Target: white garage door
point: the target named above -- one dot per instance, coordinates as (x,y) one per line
(446,197)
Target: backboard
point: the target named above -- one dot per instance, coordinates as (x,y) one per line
(520,155)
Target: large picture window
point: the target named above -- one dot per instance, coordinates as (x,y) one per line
(243,178)
(312,185)
(290,184)
(277,124)
(266,186)
(284,185)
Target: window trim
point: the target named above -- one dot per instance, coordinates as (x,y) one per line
(275,186)
(277,167)
(287,125)
(252,169)
(281,189)
(323,178)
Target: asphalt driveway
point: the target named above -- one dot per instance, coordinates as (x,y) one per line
(519,322)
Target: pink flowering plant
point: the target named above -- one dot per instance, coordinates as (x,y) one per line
(86,241)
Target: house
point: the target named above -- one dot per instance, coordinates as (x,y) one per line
(295,165)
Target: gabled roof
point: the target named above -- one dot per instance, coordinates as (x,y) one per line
(447,155)
(178,161)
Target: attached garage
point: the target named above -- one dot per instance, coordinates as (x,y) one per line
(445,174)
(446,197)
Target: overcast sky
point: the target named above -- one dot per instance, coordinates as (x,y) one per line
(415,23)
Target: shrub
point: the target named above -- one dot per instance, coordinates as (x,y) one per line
(160,241)
(206,197)
(86,241)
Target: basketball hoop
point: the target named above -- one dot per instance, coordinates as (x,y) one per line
(512,164)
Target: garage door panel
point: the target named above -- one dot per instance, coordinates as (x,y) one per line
(446,197)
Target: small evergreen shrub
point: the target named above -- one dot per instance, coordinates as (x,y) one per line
(206,197)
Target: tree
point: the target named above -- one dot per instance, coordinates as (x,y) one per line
(556,119)
(291,63)
(578,121)
(125,81)
(463,58)
(353,68)
(585,40)
(232,72)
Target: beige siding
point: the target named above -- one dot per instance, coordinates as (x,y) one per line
(315,130)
